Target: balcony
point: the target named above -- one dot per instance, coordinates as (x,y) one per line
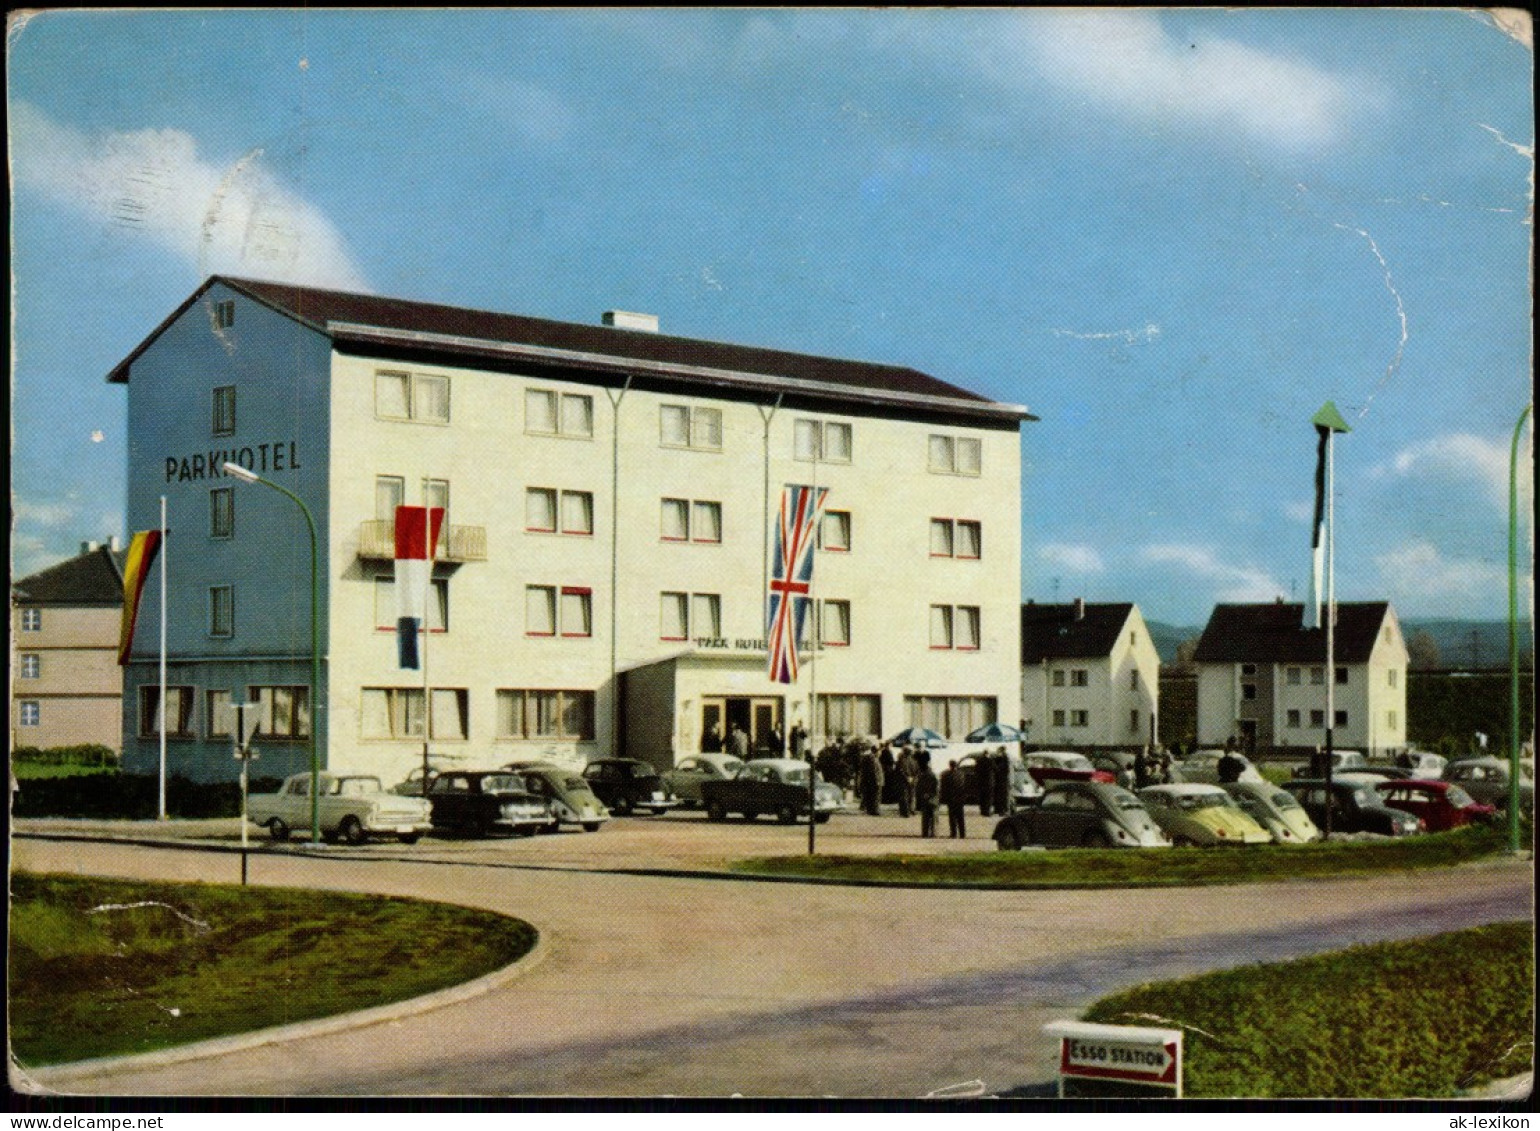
(377,539)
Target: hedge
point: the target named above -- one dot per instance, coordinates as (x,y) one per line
(131,797)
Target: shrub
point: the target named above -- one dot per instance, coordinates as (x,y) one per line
(83,754)
(131,797)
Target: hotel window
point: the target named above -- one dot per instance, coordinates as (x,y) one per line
(31,713)
(1079,677)
(224,411)
(834,532)
(548,413)
(826,440)
(706,615)
(31,665)
(674,616)
(451,713)
(1080,718)
(221,610)
(684,426)
(687,521)
(955,538)
(221,512)
(387,609)
(224,314)
(1292,677)
(676,520)
(834,623)
(549,511)
(216,720)
(706,522)
(545,714)
(392,712)
(682,616)
(411,396)
(284,713)
(941,538)
(435,493)
(180,700)
(1293,719)
(540,509)
(552,610)
(951,716)
(389,493)
(954,626)
(32,620)
(849,715)
(955,455)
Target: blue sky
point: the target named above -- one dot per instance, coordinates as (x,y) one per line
(1173,235)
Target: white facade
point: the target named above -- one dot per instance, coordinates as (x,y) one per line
(1109,699)
(607,544)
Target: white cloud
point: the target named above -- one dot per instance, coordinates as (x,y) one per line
(1078,559)
(1126,60)
(154,183)
(46,533)
(1230,584)
(1417,574)
(1462,457)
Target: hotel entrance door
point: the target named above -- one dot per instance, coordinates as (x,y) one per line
(755,715)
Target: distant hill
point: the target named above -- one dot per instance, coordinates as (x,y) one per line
(1461,643)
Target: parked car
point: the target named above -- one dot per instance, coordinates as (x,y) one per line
(1202,767)
(1275,809)
(1342,761)
(1376,774)
(412,784)
(1442,805)
(1063,765)
(1024,790)
(771,785)
(1082,814)
(1356,808)
(1198,814)
(1118,763)
(1424,765)
(628,784)
(350,807)
(1486,779)
(478,802)
(567,793)
(684,780)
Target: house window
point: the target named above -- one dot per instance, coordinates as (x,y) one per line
(1342,719)
(951,716)
(955,455)
(1248,669)
(1342,676)
(32,620)
(180,702)
(216,718)
(387,609)
(1317,677)
(221,610)
(31,713)
(1318,719)
(1058,677)
(1058,718)
(1080,718)
(1133,721)
(1133,680)
(846,715)
(954,626)
(1390,719)
(411,396)
(552,610)
(1293,719)
(31,665)
(1248,691)
(1079,677)
(684,426)
(221,512)
(284,713)
(1291,677)
(392,712)
(224,314)
(223,423)
(545,714)
(1390,677)
(824,440)
(834,532)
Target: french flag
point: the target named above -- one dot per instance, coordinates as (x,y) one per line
(417,533)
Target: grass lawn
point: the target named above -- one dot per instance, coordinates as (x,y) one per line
(1426,1018)
(1123,867)
(104,967)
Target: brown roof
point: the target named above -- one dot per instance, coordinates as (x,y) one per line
(1276,633)
(93,579)
(1059,632)
(360,319)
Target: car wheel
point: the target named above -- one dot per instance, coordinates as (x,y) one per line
(622,807)
(351,831)
(277,830)
(822,818)
(590,826)
(1183,842)
(410,838)
(716,811)
(1096,840)
(751,814)
(1008,839)
(786,815)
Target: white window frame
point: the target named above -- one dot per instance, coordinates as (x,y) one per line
(30,713)
(149,710)
(266,696)
(520,712)
(944,455)
(31,665)
(810,440)
(386,607)
(831,538)
(419,407)
(32,620)
(699,420)
(570,608)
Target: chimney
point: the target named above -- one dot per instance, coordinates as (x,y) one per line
(112,544)
(88,547)
(1080,608)
(631,320)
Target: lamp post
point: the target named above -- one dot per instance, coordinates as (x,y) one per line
(1513,635)
(249,476)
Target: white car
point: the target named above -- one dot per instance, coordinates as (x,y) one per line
(350,807)
(685,779)
(1202,766)
(1424,765)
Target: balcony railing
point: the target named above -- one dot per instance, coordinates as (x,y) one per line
(377,539)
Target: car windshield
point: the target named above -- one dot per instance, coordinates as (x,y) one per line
(795,776)
(731,766)
(1458,797)
(1363,797)
(497,782)
(356,787)
(1194,801)
(573,782)
(1285,800)
(1125,800)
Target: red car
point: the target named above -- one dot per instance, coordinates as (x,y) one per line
(1441,805)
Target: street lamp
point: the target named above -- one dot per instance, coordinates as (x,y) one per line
(249,476)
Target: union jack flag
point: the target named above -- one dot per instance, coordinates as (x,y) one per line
(791,576)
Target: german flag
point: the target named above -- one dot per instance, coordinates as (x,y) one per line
(141,555)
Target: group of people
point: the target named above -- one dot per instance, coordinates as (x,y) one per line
(908,779)
(738,743)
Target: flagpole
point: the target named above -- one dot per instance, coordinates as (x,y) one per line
(1331,616)
(427,630)
(163,658)
(812,679)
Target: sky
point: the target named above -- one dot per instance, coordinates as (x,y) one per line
(1172,234)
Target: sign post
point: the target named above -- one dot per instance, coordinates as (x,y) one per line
(1117,1059)
(244,724)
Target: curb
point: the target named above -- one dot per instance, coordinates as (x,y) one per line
(53,1078)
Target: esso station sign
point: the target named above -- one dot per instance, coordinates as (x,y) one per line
(1118,1054)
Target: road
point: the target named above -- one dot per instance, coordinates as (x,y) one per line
(674,985)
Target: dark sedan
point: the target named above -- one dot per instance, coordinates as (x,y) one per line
(479,802)
(1082,814)
(1356,807)
(628,784)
